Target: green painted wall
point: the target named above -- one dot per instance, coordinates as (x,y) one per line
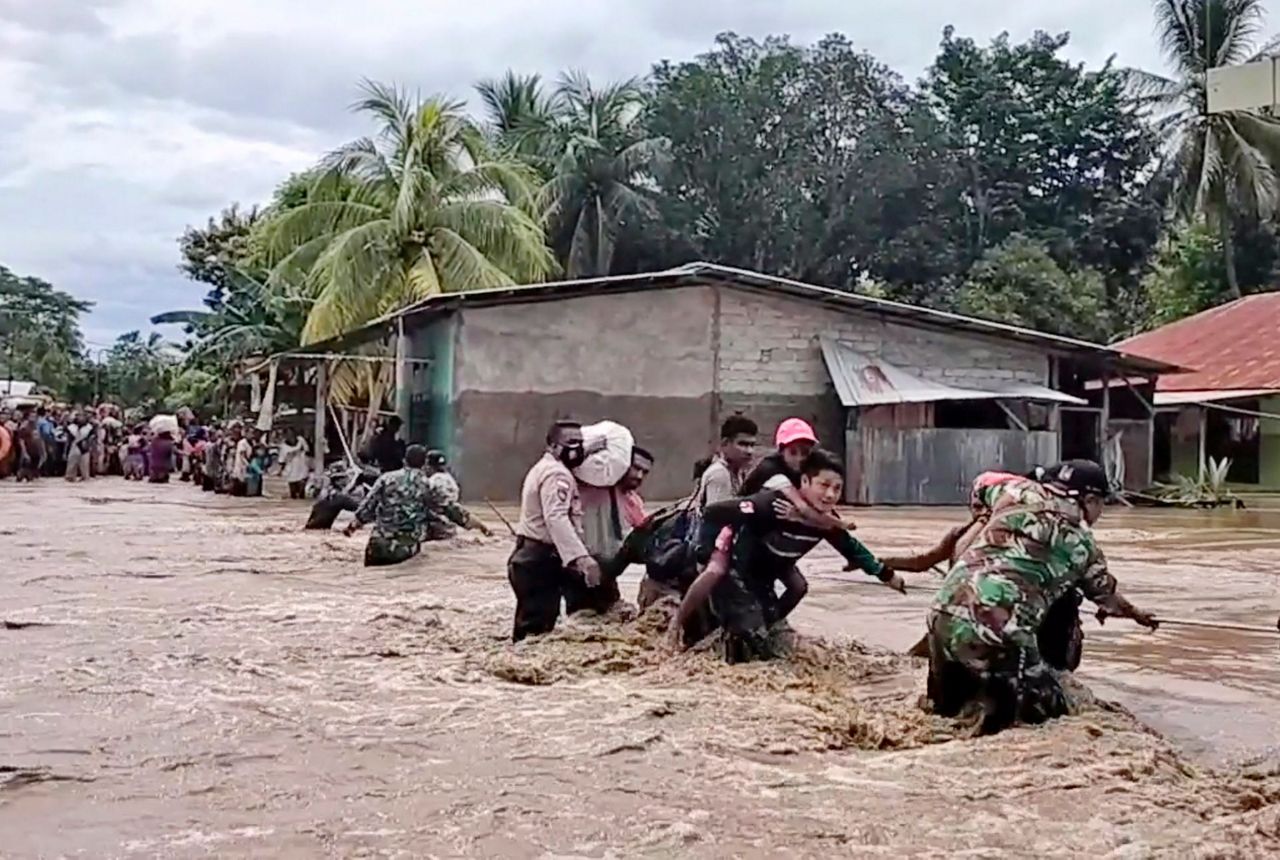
(431,420)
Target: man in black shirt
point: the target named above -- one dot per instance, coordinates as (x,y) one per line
(385,449)
(752,543)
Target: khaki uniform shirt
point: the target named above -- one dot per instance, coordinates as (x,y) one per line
(551,509)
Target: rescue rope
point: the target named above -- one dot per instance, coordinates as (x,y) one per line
(1217,625)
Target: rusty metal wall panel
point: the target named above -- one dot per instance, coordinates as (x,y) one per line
(929,466)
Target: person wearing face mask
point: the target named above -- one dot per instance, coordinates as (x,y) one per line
(1035,547)
(761,547)
(551,558)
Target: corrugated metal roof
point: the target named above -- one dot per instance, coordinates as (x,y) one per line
(1234,347)
(1180,398)
(865,380)
(710,273)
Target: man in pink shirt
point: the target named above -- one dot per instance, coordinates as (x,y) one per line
(608,516)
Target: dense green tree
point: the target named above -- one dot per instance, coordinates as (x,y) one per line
(40,339)
(137,370)
(767,172)
(1189,273)
(1020,283)
(1049,150)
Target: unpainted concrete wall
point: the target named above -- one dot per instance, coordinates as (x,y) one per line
(643,359)
(671,365)
(771,367)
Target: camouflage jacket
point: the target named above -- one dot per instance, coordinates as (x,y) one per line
(1035,547)
(400,504)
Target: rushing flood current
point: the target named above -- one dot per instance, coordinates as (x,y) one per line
(190,676)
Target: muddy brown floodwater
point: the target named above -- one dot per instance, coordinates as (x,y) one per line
(190,676)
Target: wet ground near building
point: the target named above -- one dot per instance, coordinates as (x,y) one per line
(190,676)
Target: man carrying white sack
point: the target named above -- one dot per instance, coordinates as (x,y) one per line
(609,482)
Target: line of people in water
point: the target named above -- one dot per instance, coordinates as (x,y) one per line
(1002,625)
(1004,622)
(89,442)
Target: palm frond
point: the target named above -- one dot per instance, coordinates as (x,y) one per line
(181,318)
(1234,26)
(1266,50)
(507,179)
(291,275)
(462,266)
(353,271)
(295,228)
(509,237)
(389,104)
(1253,185)
(513,101)
(360,159)
(1179,28)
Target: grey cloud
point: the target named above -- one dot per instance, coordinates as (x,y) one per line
(57,16)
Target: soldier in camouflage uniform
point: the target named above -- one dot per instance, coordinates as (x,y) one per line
(400,505)
(983,625)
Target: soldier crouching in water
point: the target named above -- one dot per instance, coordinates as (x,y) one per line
(1061,637)
(1036,545)
(400,504)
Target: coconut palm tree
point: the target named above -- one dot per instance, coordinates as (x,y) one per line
(425,207)
(600,164)
(1222,165)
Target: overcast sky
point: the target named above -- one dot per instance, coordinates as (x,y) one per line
(123,121)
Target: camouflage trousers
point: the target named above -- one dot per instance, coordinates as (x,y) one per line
(747,612)
(1009,682)
(382,550)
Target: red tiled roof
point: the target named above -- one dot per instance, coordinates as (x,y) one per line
(1232,347)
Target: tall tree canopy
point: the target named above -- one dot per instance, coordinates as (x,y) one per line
(1008,181)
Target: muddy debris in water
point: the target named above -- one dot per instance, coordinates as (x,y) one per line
(814,699)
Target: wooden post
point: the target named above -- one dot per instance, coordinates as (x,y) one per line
(1204,434)
(322,408)
(403,395)
(1105,418)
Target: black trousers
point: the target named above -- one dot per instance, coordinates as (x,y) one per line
(541,581)
(1060,637)
(326,510)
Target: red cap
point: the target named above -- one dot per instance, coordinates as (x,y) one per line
(794,430)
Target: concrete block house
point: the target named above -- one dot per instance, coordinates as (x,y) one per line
(916,400)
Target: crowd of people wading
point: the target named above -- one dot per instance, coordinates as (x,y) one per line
(1001,629)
